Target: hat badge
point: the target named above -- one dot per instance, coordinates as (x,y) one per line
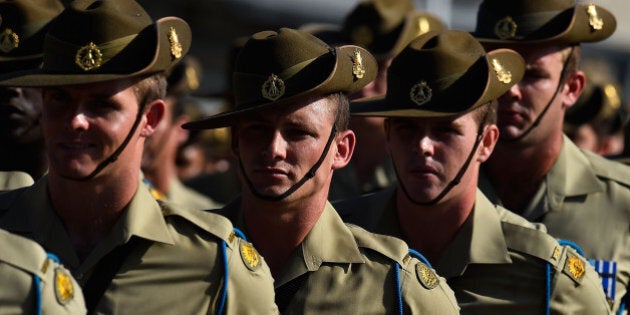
(273,88)
(420,93)
(176,46)
(89,57)
(594,21)
(423,26)
(503,74)
(358,69)
(505,28)
(9,40)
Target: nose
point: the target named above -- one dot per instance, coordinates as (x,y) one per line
(276,148)
(424,146)
(514,93)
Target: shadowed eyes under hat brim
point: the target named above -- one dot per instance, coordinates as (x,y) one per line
(161,61)
(389,106)
(342,67)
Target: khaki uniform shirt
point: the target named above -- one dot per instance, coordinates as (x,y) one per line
(14,180)
(586,199)
(22,261)
(352,271)
(497,262)
(176,269)
(181,195)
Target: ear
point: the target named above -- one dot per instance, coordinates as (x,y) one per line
(488,141)
(154,112)
(344,142)
(573,88)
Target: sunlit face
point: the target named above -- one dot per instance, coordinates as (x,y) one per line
(429,152)
(85,124)
(524,102)
(20,114)
(277,148)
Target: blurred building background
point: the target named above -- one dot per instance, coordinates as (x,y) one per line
(216,23)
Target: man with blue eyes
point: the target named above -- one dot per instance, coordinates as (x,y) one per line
(440,110)
(535,170)
(289,134)
(103,82)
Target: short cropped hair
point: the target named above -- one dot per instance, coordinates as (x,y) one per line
(150,89)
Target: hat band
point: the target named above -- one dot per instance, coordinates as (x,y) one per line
(256,81)
(66,52)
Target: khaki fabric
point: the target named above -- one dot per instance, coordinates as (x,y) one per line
(351,271)
(181,195)
(14,180)
(21,260)
(177,270)
(497,262)
(585,199)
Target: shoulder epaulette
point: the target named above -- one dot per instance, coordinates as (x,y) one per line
(208,221)
(530,241)
(22,253)
(536,243)
(388,246)
(609,169)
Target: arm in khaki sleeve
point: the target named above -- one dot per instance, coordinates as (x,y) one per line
(22,261)
(250,286)
(576,288)
(424,292)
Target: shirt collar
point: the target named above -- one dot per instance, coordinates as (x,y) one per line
(479,241)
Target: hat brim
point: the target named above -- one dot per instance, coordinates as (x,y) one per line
(577,31)
(342,67)
(162,56)
(382,106)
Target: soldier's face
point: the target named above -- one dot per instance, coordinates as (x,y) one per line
(524,102)
(20,113)
(428,153)
(84,124)
(278,147)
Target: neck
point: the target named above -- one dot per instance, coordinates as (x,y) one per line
(278,228)
(161,174)
(92,211)
(516,171)
(431,229)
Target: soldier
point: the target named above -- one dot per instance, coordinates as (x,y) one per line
(34,282)
(440,109)
(289,133)
(22,28)
(596,121)
(160,151)
(103,82)
(384,28)
(535,170)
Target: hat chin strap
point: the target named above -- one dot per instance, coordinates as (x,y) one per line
(563,75)
(112,158)
(310,174)
(455,180)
